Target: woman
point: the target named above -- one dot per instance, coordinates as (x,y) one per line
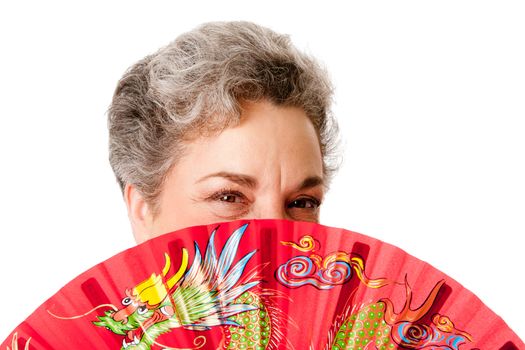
(229,121)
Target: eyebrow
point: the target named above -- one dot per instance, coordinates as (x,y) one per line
(240,179)
(251,182)
(310,182)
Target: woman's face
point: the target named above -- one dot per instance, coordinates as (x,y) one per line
(269,166)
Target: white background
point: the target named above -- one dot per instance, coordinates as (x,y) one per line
(430,97)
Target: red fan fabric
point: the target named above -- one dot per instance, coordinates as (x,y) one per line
(263,284)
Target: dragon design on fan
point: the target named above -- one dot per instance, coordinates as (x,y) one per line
(217,302)
(213,292)
(377,324)
(372,326)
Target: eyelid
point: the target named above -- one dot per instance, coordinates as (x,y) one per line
(215,195)
(228,210)
(319,201)
(314,199)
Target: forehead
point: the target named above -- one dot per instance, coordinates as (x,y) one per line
(269,141)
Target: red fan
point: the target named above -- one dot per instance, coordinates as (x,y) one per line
(263,284)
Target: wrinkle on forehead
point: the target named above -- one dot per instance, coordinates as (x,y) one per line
(278,146)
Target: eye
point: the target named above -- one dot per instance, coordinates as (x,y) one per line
(229,204)
(305,203)
(126,301)
(228,196)
(141,310)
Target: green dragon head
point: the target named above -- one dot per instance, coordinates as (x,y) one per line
(146,309)
(139,323)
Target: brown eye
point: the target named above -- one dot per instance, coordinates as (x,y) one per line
(228,204)
(228,198)
(305,203)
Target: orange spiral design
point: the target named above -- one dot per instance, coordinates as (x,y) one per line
(306,244)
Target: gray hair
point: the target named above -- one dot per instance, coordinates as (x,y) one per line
(195,86)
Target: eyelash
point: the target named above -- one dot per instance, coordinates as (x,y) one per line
(226,192)
(229,192)
(315,201)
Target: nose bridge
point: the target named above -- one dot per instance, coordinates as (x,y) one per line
(271,207)
(270,200)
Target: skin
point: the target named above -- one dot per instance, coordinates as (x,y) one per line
(269,166)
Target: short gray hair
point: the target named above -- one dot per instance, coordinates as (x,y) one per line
(194,87)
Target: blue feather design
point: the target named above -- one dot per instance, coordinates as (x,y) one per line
(228,252)
(209,288)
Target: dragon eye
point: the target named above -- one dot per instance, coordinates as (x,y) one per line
(126,301)
(142,310)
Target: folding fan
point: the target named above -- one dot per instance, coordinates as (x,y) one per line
(263,284)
